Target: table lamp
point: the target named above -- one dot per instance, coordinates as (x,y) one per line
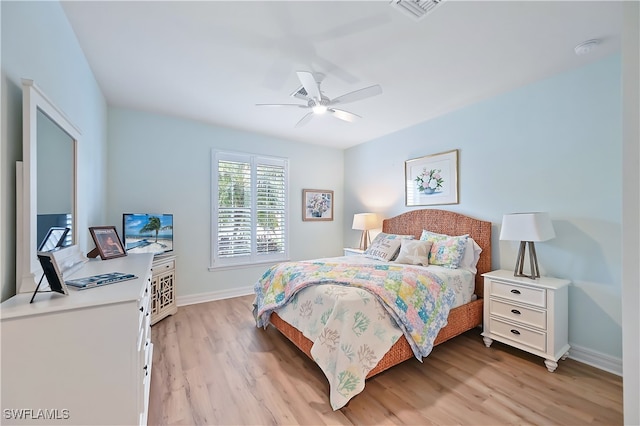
(527,228)
(364,222)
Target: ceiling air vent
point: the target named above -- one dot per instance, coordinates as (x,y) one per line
(300,93)
(417,9)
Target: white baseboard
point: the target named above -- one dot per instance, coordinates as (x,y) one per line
(596,359)
(587,356)
(214,295)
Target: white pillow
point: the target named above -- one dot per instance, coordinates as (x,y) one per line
(414,252)
(471,256)
(385,246)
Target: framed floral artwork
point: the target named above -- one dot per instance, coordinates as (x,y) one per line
(432,179)
(317,204)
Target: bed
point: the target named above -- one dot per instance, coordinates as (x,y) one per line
(459,319)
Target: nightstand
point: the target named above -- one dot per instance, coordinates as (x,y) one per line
(527,314)
(352,251)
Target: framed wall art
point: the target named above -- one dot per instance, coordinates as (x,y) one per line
(108,243)
(317,204)
(432,179)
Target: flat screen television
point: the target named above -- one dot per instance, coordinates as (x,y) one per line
(147,233)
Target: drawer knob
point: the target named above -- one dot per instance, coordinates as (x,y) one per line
(514,291)
(142,309)
(515,332)
(515,311)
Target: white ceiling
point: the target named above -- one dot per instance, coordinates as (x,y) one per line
(212,61)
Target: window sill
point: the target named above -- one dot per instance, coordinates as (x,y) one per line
(245,265)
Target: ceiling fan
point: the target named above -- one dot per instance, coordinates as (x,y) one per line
(321,104)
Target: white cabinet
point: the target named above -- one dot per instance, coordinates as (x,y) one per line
(352,251)
(163,288)
(84,358)
(531,315)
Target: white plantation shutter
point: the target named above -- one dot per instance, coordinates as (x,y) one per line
(270,208)
(249,209)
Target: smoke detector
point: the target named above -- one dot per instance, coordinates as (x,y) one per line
(586,47)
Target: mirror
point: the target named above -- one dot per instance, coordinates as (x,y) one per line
(55,179)
(46,181)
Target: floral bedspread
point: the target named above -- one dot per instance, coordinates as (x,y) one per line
(349,339)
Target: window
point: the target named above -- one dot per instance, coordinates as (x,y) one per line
(250,205)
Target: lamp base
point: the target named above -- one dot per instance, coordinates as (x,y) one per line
(365,240)
(533,261)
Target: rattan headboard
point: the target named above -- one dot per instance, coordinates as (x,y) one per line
(450,223)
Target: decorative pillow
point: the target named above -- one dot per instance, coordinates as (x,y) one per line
(414,252)
(446,250)
(471,256)
(385,246)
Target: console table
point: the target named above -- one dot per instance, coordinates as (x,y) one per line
(84,358)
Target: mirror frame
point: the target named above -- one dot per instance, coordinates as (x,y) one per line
(28,269)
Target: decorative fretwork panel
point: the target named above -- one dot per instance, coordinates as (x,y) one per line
(165,293)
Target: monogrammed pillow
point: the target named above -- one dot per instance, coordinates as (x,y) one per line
(385,246)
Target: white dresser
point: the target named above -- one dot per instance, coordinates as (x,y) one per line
(531,315)
(84,358)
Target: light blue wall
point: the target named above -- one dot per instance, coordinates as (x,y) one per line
(38,43)
(554,146)
(551,146)
(163,164)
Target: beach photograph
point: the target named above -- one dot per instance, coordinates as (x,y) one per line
(148,233)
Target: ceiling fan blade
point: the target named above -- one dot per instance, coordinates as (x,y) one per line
(343,115)
(304,120)
(310,84)
(284,105)
(357,95)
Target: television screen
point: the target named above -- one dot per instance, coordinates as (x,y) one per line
(147,233)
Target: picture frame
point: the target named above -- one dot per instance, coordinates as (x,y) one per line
(107,242)
(432,179)
(55,238)
(317,204)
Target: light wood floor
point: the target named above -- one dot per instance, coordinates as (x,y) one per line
(211,365)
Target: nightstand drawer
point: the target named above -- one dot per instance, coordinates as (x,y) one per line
(528,316)
(525,336)
(533,296)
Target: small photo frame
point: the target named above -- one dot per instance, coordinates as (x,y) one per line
(432,179)
(107,242)
(317,204)
(55,238)
(51,270)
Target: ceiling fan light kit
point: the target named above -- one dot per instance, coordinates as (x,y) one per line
(321,104)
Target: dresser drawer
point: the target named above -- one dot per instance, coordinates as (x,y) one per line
(525,336)
(164,266)
(521,314)
(522,294)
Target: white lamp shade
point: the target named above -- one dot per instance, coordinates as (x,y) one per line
(527,227)
(365,221)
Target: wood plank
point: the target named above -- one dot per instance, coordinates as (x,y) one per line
(213,366)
